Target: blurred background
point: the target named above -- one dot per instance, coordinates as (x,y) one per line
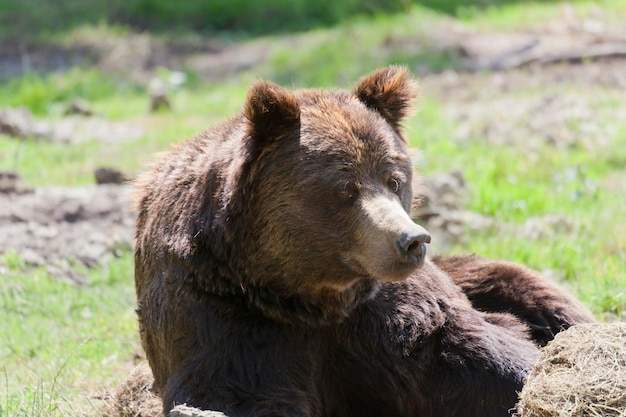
(519,140)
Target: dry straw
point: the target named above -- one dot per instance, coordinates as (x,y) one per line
(134,396)
(582,372)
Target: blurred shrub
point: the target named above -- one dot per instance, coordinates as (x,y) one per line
(26,18)
(253,15)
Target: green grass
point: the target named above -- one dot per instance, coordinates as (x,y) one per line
(523,14)
(40,93)
(339,56)
(61,342)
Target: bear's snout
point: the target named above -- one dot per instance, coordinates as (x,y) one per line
(412,245)
(392,245)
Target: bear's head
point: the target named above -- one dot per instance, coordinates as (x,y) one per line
(327,189)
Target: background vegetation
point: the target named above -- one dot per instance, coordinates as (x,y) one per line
(34,18)
(61,344)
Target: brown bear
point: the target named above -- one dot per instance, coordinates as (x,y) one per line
(279,274)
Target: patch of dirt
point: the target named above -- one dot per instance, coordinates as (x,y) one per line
(538,86)
(20,123)
(563,121)
(563,106)
(136,56)
(567,38)
(18,59)
(67,229)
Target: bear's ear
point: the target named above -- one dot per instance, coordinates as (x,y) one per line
(271,111)
(389,91)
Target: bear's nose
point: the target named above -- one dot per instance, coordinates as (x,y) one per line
(412,244)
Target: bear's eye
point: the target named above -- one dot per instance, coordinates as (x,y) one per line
(349,192)
(394,184)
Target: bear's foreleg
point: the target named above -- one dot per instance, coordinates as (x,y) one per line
(504,287)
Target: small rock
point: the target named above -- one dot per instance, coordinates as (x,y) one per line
(106,175)
(158,95)
(11,182)
(16,122)
(543,227)
(79,107)
(438,206)
(184,411)
(447,190)
(158,102)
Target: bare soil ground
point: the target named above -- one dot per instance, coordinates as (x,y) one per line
(67,229)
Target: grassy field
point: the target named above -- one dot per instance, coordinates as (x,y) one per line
(61,344)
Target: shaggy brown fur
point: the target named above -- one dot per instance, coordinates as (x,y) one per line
(278,272)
